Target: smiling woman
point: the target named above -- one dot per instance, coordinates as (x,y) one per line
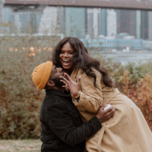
(66,56)
(71,54)
(126,126)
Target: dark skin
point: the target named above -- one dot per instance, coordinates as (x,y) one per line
(66,57)
(70,84)
(74,89)
(66,54)
(102,115)
(55,73)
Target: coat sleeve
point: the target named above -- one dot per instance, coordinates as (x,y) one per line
(62,125)
(91,97)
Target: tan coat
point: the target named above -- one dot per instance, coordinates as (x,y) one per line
(127,131)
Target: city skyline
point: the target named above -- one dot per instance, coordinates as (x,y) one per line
(91,21)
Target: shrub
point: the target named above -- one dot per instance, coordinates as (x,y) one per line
(134,80)
(141,94)
(20,100)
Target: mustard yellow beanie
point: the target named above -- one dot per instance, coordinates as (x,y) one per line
(41,74)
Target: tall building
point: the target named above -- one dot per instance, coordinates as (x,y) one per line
(22,17)
(89,21)
(93,26)
(103,22)
(81,22)
(75,22)
(111,22)
(61,20)
(52,20)
(127,22)
(138,24)
(144,25)
(1,12)
(48,20)
(150,25)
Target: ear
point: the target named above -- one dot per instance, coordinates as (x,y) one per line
(51,83)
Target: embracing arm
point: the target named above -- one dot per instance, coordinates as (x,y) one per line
(62,125)
(90,98)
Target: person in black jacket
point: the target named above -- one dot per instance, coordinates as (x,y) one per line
(61,127)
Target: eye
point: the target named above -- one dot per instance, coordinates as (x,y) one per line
(61,52)
(71,52)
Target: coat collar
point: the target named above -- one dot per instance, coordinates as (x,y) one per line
(75,73)
(58,93)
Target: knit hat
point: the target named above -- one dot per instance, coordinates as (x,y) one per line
(41,74)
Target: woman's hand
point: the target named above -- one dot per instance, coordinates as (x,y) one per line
(70,84)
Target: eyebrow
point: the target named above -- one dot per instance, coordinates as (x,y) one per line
(68,50)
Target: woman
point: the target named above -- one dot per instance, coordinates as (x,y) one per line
(127,131)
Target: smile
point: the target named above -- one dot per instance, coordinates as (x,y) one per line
(66,62)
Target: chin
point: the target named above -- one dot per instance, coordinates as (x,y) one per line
(66,68)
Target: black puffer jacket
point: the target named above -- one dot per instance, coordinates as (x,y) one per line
(62,128)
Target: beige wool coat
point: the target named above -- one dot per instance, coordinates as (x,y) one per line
(126,131)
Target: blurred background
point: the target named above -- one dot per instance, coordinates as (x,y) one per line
(116,26)
(116,32)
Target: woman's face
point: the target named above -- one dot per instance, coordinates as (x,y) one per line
(66,56)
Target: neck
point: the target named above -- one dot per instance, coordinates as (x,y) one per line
(57,88)
(69,71)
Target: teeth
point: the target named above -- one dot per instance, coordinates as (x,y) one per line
(65,61)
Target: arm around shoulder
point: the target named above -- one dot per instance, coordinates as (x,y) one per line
(62,125)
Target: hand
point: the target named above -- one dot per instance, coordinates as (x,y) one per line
(70,84)
(105,115)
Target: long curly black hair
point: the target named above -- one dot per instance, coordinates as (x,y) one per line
(81,60)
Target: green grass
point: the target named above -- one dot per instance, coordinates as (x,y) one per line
(20,145)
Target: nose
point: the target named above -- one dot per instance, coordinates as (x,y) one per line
(65,54)
(59,69)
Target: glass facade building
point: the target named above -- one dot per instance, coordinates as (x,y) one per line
(75,22)
(106,25)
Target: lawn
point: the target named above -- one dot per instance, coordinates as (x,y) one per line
(20,145)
